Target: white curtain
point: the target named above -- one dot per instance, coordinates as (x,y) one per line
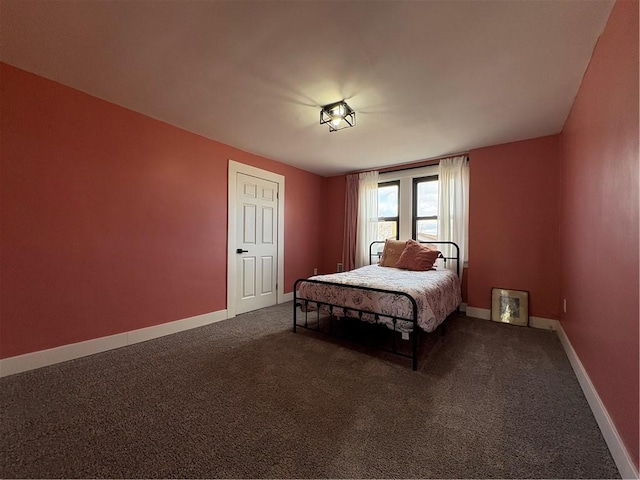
(367,216)
(453,206)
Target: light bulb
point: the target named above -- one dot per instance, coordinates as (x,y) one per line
(339,111)
(335,120)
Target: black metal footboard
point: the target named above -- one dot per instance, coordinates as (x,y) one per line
(309,305)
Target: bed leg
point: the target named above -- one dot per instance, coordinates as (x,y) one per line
(295,313)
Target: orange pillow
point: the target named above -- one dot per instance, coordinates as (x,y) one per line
(391,253)
(417,257)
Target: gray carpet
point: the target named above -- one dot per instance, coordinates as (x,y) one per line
(248,398)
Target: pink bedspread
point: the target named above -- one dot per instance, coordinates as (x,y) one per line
(437,294)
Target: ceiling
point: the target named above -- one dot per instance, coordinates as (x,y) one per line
(426,78)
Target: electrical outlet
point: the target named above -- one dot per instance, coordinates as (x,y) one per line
(315,271)
(564,305)
(339,267)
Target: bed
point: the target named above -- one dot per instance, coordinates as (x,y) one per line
(406,301)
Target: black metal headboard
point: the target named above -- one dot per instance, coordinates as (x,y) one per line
(375,256)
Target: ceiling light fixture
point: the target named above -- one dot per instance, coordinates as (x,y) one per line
(338,115)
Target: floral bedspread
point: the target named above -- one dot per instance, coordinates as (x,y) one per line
(437,294)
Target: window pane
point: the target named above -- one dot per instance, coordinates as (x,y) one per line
(388,201)
(427,230)
(387,230)
(427,199)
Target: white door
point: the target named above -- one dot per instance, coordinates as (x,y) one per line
(257,243)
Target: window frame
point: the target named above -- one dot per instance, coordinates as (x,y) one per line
(414,207)
(397,217)
(406,176)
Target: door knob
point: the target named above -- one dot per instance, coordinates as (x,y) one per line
(242,251)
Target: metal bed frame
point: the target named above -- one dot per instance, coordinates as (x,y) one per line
(335,310)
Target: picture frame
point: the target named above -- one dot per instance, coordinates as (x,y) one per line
(510,306)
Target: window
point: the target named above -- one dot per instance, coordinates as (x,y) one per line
(388,210)
(400,186)
(419,191)
(425,208)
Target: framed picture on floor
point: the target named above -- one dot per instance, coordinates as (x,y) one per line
(510,306)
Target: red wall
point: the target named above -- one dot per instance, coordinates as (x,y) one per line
(599,229)
(513,223)
(333,214)
(112,221)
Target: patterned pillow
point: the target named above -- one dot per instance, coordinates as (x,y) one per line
(417,257)
(391,253)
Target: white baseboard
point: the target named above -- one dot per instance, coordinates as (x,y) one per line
(482,313)
(149,333)
(287,297)
(42,358)
(544,323)
(618,451)
(534,322)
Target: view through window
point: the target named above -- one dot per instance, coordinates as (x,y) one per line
(388,210)
(425,208)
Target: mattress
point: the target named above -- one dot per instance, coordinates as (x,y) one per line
(436,292)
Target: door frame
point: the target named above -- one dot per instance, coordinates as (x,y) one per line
(234,169)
